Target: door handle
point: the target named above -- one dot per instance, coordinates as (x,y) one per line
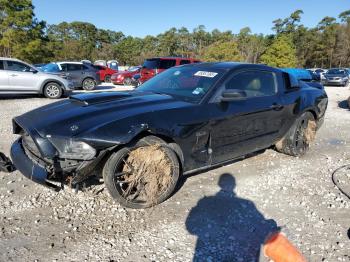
(13,75)
(276,107)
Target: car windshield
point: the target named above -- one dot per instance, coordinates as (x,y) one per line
(336,72)
(185,83)
(51,67)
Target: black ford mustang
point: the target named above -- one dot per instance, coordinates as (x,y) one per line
(187,118)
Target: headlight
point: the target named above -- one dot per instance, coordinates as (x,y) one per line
(72,149)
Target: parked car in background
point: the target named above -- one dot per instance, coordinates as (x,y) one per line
(314,75)
(348,70)
(18,77)
(113,64)
(125,77)
(105,73)
(183,120)
(318,73)
(82,75)
(154,66)
(336,76)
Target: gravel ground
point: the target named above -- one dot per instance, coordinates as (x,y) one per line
(220,215)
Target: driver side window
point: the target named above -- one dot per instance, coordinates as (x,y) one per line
(17,66)
(253,83)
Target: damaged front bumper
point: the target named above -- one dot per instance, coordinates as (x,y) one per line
(27,167)
(56,172)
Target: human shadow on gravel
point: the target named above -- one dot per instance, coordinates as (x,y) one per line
(228,228)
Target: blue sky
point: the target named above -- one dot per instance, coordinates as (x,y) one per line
(143,17)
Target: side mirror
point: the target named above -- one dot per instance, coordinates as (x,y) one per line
(233,95)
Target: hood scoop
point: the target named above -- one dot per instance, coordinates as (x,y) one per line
(99,97)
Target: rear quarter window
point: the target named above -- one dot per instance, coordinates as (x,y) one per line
(86,68)
(74,67)
(166,63)
(184,62)
(151,63)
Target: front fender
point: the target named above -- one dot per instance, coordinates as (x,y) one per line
(123,132)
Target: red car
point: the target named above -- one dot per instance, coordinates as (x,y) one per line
(124,77)
(105,73)
(154,66)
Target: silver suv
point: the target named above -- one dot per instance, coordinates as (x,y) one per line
(18,77)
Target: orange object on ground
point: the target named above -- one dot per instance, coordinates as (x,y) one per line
(278,248)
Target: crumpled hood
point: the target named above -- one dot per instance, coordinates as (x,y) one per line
(86,112)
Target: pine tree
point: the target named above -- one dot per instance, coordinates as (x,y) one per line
(222,51)
(21,35)
(281,53)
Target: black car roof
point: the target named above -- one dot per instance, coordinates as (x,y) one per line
(230,65)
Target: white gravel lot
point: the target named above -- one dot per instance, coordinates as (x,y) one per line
(203,221)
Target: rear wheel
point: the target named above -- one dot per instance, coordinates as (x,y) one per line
(299,137)
(89,84)
(52,91)
(142,175)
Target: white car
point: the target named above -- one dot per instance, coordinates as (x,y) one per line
(319,72)
(18,77)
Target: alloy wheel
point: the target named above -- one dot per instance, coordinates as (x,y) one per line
(52,91)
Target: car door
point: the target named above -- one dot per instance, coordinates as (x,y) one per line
(74,72)
(4,79)
(250,124)
(22,77)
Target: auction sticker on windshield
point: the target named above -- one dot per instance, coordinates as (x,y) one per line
(206,74)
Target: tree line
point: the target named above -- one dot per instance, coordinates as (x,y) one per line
(292,44)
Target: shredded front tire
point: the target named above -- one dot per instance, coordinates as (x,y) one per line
(143,175)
